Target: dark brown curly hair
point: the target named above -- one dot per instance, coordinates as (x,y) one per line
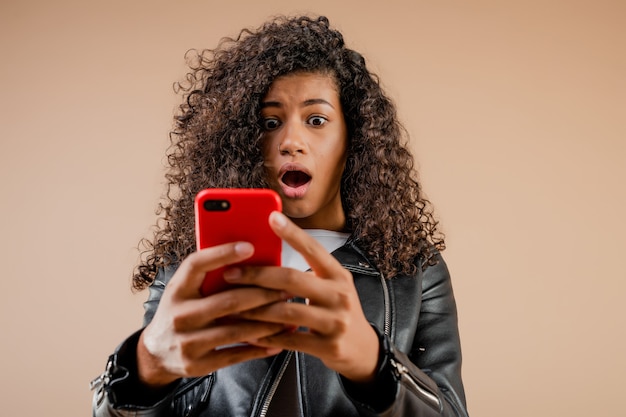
(216,142)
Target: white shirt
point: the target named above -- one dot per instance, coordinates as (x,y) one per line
(329,239)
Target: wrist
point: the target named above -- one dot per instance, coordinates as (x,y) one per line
(150,371)
(365,373)
(120,381)
(380,391)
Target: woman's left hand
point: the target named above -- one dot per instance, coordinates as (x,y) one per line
(338,332)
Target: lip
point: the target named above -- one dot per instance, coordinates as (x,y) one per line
(289,191)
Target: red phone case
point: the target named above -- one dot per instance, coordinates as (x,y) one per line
(236,214)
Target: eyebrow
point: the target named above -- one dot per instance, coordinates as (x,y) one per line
(309,102)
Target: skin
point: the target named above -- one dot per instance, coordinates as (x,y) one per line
(305,128)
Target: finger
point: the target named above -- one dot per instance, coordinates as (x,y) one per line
(306,342)
(188,278)
(356,358)
(200,312)
(233,355)
(320,261)
(337,291)
(293,283)
(196,345)
(317,319)
(223,357)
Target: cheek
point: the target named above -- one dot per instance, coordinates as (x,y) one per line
(270,152)
(266,147)
(338,153)
(335,162)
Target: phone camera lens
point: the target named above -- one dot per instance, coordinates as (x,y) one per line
(216,205)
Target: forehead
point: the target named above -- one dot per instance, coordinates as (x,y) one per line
(303,86)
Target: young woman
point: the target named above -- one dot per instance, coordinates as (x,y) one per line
(291,108)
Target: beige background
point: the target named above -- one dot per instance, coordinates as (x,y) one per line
(517,113)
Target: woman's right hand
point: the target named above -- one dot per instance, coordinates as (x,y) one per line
(186,338)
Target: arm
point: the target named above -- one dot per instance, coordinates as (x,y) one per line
(379,378)
(427,382)
(437,348)
(118,391)
(183,337)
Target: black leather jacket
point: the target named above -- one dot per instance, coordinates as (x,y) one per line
(419,368)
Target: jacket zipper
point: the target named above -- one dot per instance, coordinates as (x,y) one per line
(414,385)
(400,370)
(270,394)
(102,381)
(386,306)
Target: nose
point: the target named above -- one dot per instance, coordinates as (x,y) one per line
(292,141)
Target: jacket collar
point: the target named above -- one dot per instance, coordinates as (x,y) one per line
(352,257)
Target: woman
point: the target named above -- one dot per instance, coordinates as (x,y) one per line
(289,107)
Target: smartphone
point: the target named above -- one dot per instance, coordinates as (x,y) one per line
(224,215)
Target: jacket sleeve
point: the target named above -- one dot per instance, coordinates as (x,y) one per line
(118,392)
(427,381)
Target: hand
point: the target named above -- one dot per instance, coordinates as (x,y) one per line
(338,332)
(183,338)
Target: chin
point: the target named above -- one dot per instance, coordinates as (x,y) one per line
(296,213)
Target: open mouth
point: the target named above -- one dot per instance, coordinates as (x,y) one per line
(295,179)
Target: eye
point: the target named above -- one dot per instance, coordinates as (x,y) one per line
(317,121)
(270,124)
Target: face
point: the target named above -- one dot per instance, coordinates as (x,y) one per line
(304,148)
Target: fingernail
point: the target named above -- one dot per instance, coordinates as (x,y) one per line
(244,248)
(278,219)
(232,274)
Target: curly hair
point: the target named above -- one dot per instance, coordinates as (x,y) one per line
(216,142)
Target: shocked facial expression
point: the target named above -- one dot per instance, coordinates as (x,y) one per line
(304,148)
